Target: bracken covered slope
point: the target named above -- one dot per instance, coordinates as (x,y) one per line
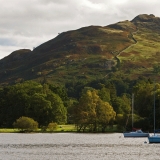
(127,48)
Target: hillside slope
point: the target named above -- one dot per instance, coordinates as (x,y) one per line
(127,48)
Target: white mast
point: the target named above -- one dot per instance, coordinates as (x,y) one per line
(154,106)
(132,108)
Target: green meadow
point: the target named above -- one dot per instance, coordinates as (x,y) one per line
(60,128)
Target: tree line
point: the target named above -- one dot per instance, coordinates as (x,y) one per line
(91,106)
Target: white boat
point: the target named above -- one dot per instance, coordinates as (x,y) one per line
(155,138)
(136,132)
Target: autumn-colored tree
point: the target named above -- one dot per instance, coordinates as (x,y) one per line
(85,113)
(92,112)
(105,114)
(52,126)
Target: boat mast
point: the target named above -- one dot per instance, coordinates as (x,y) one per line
(154,107)
(132,108)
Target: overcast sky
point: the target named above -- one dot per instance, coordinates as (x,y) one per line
(29,23)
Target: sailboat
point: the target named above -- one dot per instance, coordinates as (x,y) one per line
(155,138)
(135,132)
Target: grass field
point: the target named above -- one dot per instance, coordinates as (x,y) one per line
(66,128)
(60,128)
(8,130)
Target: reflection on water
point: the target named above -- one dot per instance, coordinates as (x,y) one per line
(74,146)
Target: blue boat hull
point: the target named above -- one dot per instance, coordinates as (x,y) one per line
(136,134)
(154,139)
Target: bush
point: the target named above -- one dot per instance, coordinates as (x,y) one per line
(52,126)
(25,124)
(44,128)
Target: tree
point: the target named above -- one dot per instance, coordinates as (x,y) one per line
(122,105)
(33,100)
(86,109)
(121,120)
(26,124)
(156,68)
(105,114)
(52,126)
(58,113)
(15,99)
(39,109)
(92,112)
(60,91)
(143,98)
(104,94)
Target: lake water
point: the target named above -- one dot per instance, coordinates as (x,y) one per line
(75,146)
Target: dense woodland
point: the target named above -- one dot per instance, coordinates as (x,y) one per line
(91,106)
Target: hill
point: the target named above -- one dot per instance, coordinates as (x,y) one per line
(127,49)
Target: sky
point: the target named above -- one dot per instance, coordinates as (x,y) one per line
(25,24)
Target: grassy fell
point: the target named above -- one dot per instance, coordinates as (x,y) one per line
(85,53)
(141,56)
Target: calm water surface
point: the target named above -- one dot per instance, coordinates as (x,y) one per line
(74,146)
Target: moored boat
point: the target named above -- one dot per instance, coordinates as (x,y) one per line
(135,132)
(155,138)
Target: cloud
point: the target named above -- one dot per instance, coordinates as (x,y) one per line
(28,23)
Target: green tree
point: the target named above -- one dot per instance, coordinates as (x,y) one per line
(156,68)
(104,94)
(122,105)
(26,124)
(62,93)
(33,100)
(14,102)
(58,112)
(15,99)
(121,120)
(143,101)
(39,108)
